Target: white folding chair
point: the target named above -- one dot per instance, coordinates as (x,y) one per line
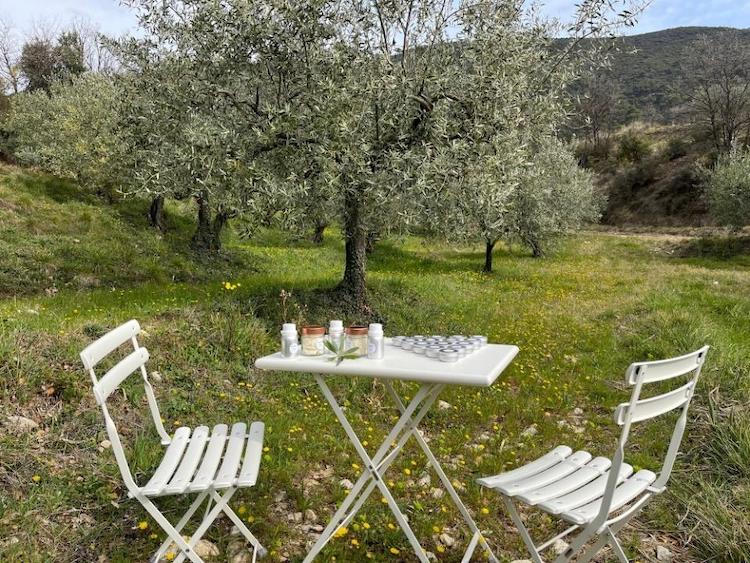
(599,495)
(193,461)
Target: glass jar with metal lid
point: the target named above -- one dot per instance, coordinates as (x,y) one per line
(356,337)
(313,340)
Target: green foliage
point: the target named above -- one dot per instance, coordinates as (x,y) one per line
(728,188)
(72,131)
(632,147)
(555,197)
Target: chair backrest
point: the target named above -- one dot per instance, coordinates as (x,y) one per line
(637,410)
(105,385)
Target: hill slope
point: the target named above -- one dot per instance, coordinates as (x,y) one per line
(647,69)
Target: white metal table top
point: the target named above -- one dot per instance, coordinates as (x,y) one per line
(481,368)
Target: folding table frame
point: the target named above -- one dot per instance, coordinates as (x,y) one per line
(375,467)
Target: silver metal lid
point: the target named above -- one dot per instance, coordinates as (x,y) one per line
(448,355)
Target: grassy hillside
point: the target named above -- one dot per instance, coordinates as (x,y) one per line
(652,175)
(575,316)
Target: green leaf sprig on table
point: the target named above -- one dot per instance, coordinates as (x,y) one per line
(340,353)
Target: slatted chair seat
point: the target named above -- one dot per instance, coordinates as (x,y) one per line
(599,495)
(570,485)
(195,461)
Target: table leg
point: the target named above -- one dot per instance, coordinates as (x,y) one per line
(424,397)
(476,533)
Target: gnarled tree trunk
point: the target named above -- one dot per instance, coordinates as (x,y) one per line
(207,237)
(352,286)
(156,213)
(317,234)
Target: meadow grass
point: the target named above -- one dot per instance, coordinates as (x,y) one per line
(579,317)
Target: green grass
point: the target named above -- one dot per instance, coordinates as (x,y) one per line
(579,317)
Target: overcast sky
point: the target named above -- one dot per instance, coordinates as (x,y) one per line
(112,18)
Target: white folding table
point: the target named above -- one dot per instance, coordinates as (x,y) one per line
(480,369)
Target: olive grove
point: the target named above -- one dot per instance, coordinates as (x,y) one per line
(379,116)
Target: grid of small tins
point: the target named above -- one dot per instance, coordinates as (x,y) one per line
(442,348)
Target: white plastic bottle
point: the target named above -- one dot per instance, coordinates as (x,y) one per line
(375,342)
(289,341)
(335,331)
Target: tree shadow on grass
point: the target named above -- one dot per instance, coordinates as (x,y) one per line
(393,257)
(59,190)
(714,247)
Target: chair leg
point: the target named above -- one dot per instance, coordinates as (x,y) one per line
(616,547)
(257,547)
(185,548)
(180,525)
(536,558)
(207,521)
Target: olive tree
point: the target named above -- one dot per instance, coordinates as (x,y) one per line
(71,131)
(227,90)
(728,188)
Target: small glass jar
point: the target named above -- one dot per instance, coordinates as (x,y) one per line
(313,340)
(356,337)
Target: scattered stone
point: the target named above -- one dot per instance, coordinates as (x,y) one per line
(241,557)
(347,484)
(295,517)
(21,424)
(316,528)
(577,411)
(431,556)
(663,554)
(447,540)
(424,481)
(105,444)
(444,406)
(485,437)
(310,515)
(204,548)
(521,561)
(156,376)
(437,493)
(280,497)
(560,547)
(530,431)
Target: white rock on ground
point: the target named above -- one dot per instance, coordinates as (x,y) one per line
(447,540)
(242,557)
(347,484)
(310,515)
(521,561)
(663,554)
(444,406)
(205,549)
(21,424)
(530,431)
(560,546)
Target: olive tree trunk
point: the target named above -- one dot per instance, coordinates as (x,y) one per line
(317,234)
(156,213)
(353,284)
(489,247)
(207,237)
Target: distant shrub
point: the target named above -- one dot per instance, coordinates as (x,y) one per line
(637,176)
(728,188)
(676,148)
(633,148)
(589,153)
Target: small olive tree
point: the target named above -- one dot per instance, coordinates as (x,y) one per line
(728,188)
(72,131)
